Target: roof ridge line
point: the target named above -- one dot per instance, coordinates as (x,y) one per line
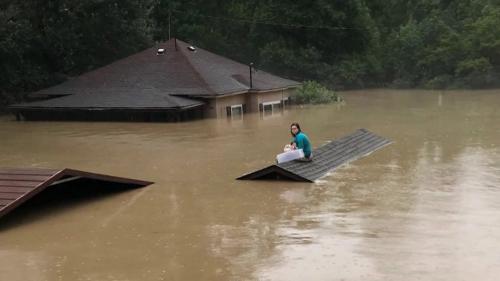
(195,70)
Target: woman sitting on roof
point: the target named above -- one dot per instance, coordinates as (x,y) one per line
(300,141)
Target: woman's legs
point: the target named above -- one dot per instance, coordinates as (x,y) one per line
(307,158)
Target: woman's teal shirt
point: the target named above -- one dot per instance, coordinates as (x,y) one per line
(303,142)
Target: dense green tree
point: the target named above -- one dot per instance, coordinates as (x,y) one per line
(342,44)
(42,42)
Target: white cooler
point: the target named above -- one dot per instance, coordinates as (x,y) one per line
(290,155)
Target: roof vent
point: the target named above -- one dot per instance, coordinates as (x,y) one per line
(191,48)
(160,52)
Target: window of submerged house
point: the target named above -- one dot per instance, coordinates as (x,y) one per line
(236,111)
(271,108)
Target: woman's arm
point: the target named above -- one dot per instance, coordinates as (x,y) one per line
(299,142)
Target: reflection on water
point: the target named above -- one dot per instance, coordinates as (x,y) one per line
(424,208)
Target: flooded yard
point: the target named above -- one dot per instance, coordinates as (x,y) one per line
(426,207)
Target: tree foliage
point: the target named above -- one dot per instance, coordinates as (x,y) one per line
(311,92)
(44,42)
(342,44)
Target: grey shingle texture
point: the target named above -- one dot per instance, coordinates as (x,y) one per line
(325,158)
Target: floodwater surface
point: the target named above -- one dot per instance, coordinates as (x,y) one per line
(426,207)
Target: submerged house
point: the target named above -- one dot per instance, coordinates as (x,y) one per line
(171,82)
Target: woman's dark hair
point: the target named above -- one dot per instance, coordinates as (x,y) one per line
(296,125)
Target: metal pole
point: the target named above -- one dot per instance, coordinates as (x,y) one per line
(250,67)
(169,22)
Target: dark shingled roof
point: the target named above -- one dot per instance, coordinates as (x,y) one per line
(147,80)
(116,99)
(225,76)
(170,73)
(325,158)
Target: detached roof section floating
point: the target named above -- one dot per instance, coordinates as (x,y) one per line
(19,185)
(325,158)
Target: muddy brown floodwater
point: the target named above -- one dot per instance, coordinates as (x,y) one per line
(424,208)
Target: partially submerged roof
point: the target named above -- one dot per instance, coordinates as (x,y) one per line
(325,158)
(170,73)
(19,185)
(151,80)
(115,98)
(226,76)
